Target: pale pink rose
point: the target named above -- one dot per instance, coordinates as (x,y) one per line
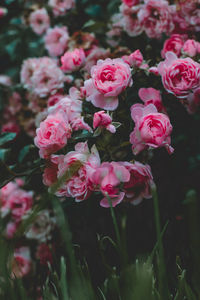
(15,104)
(173,44)
(19,202)
(179,76)
(56,40)
(156,18)
(140,183)
(11,126)
(6,191)
(60,7)
(52,135)
(190,48)
(21,263)
(80,185)
(28,68)
(152,129)
(107,179)
(11,228)
(154,70)
(50,172)
(193,100)
(151,95)
(73,60)
(130,2)
(103,120)
(134,59)
(80,124)
(53,99)
(3,12)
(5,80)
(130,21)
(110,77)
(39,21)
(41,228)
(47,78)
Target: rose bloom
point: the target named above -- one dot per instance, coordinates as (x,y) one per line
(39,21)
(27,70)
(134,59)
(152,129)
(95,54)
(156,18)
(110,77)
(130,21)
(193,101)
(21,263)
(80,185)
(103,120)
(44,254)
(56,40)
(190,48)
(151,95)
(73,60)
(60,7)
(52,134)
(41,227)
(107,179)
(173,44)
(179,76)
(139,185)
(51,170)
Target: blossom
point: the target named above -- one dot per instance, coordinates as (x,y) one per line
(151,95)
(179,76)
(39,21)
(73,60)
(130,2)
(190,48)
(60,7)
(108,79)
(130,21)
(52,134)
(56,40)
(152,129)
(156,18)
(134,59)
(107,179)
(103,120)
(140,183)
(173,44)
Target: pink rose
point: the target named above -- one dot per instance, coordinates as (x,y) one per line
(154,70)
(73,60)
(173,44)
(60,7)
(109,78)
(107,179)
(193,101)
(56,40)
(39,21)
(50,172)
(21,264)
(151,95)
(179,76)
(134,59)
(190,48)
(52,134)
(139,185)
(44,254)
(130,21)
(156,18)
(152,129)
(80,185)
(103,120)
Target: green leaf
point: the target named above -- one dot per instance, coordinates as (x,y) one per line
(24,152)
(4,153)
(7,137)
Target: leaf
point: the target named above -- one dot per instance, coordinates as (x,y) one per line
(4,153)
(24,152)
(94,10)
(7,137)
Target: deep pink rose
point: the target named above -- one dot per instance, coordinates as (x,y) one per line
(52,134)
(107,179)
(60,7)
(103,120)
(152,129)
(179,76)
(73,60)
(21,264)
(130,2)
(109,78)
(139,185)
(134,59)
(173,44)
